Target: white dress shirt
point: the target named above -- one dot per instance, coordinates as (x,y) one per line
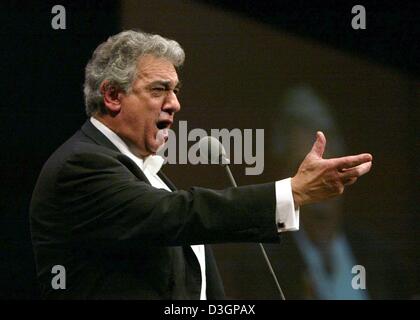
(287,216)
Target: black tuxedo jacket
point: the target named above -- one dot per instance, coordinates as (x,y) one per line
(94,212)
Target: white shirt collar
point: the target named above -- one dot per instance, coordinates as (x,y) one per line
(153,163)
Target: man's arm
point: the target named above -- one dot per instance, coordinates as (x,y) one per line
(101,200)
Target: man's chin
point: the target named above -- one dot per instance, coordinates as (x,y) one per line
(160,140)
(160,147)
(155,148)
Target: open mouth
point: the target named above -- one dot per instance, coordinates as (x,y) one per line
(163,130)
(163,124)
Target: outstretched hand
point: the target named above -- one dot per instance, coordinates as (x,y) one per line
(319,179)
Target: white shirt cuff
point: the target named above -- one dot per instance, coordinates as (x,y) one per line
(287,216)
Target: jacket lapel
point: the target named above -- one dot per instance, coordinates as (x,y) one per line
(98,137)
(193,276)
(167,181)
(90,130)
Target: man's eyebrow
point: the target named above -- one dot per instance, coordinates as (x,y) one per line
(165,83)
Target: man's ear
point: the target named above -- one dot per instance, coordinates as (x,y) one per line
(111,94)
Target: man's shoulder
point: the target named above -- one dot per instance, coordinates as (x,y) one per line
(79,145)
(79,149)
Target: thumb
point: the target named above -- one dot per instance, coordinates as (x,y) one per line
(319,146)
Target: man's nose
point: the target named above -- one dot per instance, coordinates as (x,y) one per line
(172,104)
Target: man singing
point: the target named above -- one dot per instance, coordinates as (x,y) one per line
(103,209)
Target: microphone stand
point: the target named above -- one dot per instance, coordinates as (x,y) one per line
(233,182)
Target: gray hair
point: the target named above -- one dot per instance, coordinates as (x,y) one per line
(116,60)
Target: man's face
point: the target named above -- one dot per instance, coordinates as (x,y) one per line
(148,111)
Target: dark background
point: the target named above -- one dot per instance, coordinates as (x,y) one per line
(375,92)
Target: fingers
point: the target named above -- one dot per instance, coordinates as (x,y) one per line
(319,146)
(350,181)
(351,161)
(355,172)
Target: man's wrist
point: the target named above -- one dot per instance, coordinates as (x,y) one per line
(297,194)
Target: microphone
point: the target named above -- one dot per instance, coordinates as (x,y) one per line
(212,150)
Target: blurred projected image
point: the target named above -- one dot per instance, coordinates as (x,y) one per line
(323,254)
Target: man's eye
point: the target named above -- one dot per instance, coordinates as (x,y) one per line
(158,89)
(176,91)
